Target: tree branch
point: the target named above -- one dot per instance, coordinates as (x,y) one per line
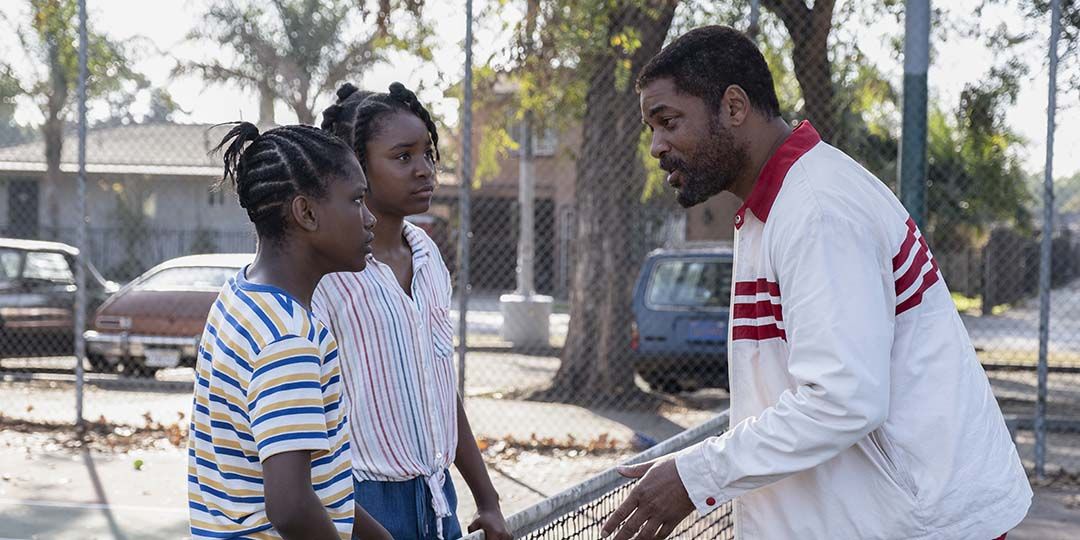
(793,13)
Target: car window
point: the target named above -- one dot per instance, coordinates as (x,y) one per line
(9,265)
(48,267)
(188,277)
(690,283)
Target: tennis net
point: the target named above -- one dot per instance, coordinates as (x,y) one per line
(579,512)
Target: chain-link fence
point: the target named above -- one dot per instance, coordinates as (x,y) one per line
(597,308)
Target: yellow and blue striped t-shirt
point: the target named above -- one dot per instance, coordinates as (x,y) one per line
(267,382)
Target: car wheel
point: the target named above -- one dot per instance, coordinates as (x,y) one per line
(99,363)
(134,369)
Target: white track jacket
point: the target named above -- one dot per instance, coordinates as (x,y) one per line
(858,407)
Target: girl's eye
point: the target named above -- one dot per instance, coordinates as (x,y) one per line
(667,121)
(404,157)
(430,155)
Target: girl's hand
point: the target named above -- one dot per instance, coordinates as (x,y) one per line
(492,523)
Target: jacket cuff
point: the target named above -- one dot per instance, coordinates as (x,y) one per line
(698,479)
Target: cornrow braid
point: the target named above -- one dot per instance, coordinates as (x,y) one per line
(357,116)
(269,169)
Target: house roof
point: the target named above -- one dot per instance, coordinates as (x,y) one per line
(150,149)
(160,148)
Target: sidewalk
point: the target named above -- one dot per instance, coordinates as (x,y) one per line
(48,491)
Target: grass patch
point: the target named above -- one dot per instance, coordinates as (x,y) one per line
(972,305)
(1023,357)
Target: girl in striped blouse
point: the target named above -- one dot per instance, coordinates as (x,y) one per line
(392,322)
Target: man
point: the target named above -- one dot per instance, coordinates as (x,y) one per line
(858,407)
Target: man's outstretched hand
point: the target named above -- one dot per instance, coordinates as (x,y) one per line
(656,505)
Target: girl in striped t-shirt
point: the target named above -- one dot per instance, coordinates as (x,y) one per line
(392,322)
(268,449)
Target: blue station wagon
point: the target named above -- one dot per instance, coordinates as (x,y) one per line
(680,306)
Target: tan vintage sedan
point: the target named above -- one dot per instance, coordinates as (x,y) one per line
(155,321)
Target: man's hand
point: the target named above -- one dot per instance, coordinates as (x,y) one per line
(493,524)
(656,505)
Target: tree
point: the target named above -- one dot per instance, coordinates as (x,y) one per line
(1038,15)
(10,132)
(580,69)
(809,28)
(297,50)
(162,107)
(975,179)
(51,41)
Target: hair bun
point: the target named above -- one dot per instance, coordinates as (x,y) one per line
(399,92)
(346,90)
(330,115)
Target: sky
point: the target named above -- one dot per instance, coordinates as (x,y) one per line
(163,25)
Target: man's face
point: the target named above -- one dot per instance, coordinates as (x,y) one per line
(701,156)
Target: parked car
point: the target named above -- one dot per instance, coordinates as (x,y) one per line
(680,308)
(37,297)
(155,321)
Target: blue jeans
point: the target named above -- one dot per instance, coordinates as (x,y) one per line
(404,508)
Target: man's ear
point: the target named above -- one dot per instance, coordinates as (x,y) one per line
(736,107)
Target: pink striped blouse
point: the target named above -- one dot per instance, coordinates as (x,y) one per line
(397,364)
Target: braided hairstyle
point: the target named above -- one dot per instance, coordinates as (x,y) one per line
(357,116)
(268,170)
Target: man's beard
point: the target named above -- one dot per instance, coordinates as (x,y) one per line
(711,169)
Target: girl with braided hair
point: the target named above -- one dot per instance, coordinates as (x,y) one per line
(393,325)
(268,449)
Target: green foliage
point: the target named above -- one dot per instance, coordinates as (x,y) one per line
(975,177)
(497,145)
(51,40)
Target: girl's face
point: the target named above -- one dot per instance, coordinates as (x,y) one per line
(401,166)
(345,224)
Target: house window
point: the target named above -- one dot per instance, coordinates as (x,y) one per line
(544,140)
(216,197)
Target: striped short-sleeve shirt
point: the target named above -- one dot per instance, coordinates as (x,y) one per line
(267,382)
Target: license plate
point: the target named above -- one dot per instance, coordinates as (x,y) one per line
(711,330)
(162,357)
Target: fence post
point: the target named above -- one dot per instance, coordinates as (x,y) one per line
(463,204)
(1046,252)
(80,228)
(912,161)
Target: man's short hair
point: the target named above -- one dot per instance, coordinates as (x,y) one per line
(705,61)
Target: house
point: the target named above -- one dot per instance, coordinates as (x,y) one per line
(148,196)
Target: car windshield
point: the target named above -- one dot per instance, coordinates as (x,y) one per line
(48,266)
(690,283)
(10,260)
(188,277)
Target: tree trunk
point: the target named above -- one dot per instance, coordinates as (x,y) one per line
(608,246)
(53,132)
(266,104)
(809,30)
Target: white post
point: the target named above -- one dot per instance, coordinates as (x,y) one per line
(526,314)
(526,282)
